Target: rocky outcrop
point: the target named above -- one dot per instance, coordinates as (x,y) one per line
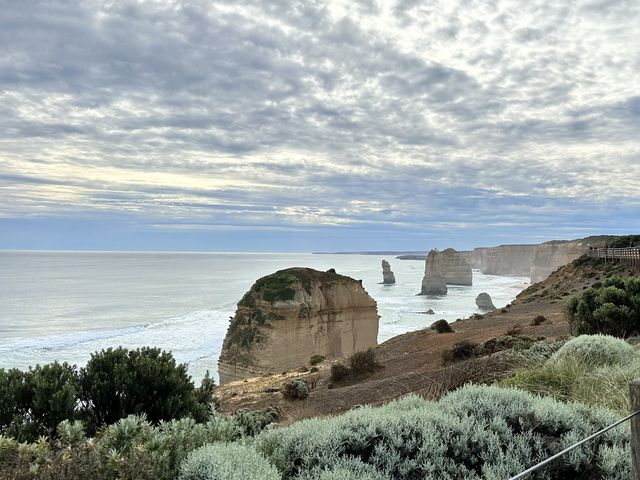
(504,260)
(433,282)
(388,278)
(483,301)
(454,268)
(288,316)
(550,256)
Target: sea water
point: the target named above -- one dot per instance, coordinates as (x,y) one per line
(65,305)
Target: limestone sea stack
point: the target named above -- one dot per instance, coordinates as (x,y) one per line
(290,315)
(388,278)
(433,282)
(455,269)
(483,301)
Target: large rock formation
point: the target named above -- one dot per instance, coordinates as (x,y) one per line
(454,268)
(288,316)
(388,278)
(483,301)
(433,282)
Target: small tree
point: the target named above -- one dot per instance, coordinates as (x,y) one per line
(120,382)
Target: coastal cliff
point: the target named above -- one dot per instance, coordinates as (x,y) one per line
(513,260)
(288,316)
(550,256)
(455,269)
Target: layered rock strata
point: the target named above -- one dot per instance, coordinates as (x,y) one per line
(484,302)
(288,316)
(388,278)
(433,282)
(454,268)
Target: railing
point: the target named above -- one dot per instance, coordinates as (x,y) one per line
(634,391)
(628,256)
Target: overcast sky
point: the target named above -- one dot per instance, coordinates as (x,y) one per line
(300,126)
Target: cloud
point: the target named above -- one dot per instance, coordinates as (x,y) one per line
(390,116)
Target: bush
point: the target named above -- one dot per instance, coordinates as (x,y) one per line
(596,351)
(363,362)
(461,351)
(229,461)
(442,326)
(316,359)
(612,309)
(296,390)
(120,382)
(539,320)
(514,330)
(33,403)
(472,433)
(339,371)
(132,448)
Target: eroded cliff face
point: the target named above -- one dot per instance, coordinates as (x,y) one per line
(454,268)
(433,282)
(534,261)
(513,260)
(293,314)
(550,256)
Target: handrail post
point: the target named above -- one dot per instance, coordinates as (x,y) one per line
(634,393)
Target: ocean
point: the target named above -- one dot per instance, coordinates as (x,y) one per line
(65,305)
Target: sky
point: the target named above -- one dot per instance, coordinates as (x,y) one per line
(317,125)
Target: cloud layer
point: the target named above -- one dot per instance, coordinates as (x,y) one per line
(408,121)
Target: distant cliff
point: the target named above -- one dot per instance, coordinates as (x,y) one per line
(504,260)
(288,316)
(536,261)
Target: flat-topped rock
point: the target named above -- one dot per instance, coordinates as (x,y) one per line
(293,314)
(454,267)
(433,282)
(388,278)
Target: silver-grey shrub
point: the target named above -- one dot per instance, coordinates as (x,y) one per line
(596,351)
(227,461)
(475,432)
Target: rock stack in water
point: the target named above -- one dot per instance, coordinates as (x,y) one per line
(290,315)
(483,301)
(433,282)
(388,278)
(455,269)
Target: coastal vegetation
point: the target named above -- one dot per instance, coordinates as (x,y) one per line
(115,383)
(612,308)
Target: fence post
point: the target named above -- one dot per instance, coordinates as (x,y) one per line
(634,391)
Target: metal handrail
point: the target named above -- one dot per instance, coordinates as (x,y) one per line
(572,447)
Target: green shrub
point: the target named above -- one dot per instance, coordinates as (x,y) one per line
(33,403)
(222,461)
(596,351)
(345,469)
(316,359)
(612,309)
(120,382)
(461,351)
(472,433)
(363,362)
(297,389)
(539,320)
(339,371)
(442,326)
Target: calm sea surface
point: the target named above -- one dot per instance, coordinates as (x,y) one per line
(65,305)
